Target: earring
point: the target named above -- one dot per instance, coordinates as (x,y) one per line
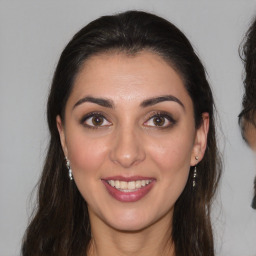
(69,169)
(195,174)
(194,177)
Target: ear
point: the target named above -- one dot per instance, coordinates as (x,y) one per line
(61,130)
(200,142)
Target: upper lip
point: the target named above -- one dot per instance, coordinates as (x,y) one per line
(127,179)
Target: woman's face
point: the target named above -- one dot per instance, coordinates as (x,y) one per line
(130,137)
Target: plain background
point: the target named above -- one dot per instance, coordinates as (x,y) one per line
(32,36)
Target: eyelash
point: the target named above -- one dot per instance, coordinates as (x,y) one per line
(161,114)
(91,115)
(164,115)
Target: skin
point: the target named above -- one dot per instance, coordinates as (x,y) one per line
(249,134)
(129,143)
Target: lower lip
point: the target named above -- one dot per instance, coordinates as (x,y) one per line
(128,196)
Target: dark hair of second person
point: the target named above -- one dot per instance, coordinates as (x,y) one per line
(247,117)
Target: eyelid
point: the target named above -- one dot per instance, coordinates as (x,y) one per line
(93,114)
(163,114)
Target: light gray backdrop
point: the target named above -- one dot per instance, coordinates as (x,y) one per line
(32,36)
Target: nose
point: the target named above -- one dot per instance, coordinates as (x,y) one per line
(127,148)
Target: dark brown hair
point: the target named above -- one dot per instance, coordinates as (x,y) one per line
(61,225)
(248,113)
(248,55)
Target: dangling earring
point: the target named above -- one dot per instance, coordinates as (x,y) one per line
(69,169)
(195,174)
(194,177)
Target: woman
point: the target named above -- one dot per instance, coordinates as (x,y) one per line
(132,164)
(247,117)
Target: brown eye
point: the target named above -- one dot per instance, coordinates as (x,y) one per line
(159,121)
(97,120)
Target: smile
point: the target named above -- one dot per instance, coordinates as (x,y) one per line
(128,189)
(130,186)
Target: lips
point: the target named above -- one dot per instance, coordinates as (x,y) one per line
(128,189)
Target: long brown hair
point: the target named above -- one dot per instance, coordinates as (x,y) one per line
(61,224)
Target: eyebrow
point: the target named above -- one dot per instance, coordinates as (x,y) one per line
(100,101)
(153,101)
(146,103)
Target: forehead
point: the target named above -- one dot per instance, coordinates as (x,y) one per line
(125,77)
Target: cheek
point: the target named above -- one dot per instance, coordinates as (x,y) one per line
(172,158)
(173,153)
(85,155)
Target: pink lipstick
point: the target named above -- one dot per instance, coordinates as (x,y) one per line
(128,189)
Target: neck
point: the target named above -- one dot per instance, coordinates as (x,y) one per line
(151,241)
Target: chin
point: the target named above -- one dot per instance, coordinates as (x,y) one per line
(130,226)
(135,221)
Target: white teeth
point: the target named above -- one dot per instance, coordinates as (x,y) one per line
(117,184)
(137,183)
(128,186)
(131,185)
(123,185)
